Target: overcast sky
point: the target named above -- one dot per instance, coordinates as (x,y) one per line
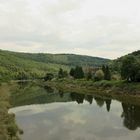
(106,28)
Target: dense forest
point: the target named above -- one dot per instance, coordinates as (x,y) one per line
(127,66)
(116,64)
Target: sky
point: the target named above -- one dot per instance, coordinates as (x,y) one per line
(104,28)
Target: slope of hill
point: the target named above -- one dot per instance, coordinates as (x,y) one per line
(116,64)
(63,59)
(136,53)
(32,65)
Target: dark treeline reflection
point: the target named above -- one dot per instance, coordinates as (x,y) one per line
(79,98)
(131,116)
(27,93)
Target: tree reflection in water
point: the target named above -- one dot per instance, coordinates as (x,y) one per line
(108,104)
(79,98)
(99,101)
(61,93)
(131,115)
(89,98)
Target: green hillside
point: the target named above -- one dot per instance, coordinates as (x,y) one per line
(136,53)
(13,64)
(116,64)
(63,59)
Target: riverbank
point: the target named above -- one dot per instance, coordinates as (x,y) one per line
(8,128)
(119,90)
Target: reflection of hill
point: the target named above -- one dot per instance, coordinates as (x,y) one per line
(27,93)
(32,94)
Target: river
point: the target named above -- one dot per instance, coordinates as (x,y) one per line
(45,113)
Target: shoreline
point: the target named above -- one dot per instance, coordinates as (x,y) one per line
(8,127)
(118,90)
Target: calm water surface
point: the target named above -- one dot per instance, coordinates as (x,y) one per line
(49,114)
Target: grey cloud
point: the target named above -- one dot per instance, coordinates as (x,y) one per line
(58,27)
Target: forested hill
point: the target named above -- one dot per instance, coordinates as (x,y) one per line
(63,59)
(13,64)
(136,54)
(116,64)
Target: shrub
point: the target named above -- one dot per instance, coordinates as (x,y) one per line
(99,75)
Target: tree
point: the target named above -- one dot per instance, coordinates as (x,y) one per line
(65,74)
(89,75)
(78,74)
(130,69)
(22,76)
(103,68)
(62,73)
(99,75)
(138,76)
(48,76)
(107,73)
(72,71)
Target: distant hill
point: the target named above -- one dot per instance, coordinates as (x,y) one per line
(37,64)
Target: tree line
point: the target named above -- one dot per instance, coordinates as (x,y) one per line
(78,73)
(129,71)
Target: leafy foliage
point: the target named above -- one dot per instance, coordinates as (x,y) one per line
(48,76)
(130,68)
(8,127)
(72,72)
(77,72)
(62,73)
(99,75)
(127,66)
(107,73)
(89,75)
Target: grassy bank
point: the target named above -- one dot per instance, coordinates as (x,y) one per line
(106,86)
(8,127)
(119,90)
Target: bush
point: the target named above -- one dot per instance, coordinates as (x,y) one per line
(130,69)
(99,75)
(48,76)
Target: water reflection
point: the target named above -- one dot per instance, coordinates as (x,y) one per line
(131,116)
(89,98)
(48,89)
(108,104)
(61,93)
(94,116)
(79,98)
